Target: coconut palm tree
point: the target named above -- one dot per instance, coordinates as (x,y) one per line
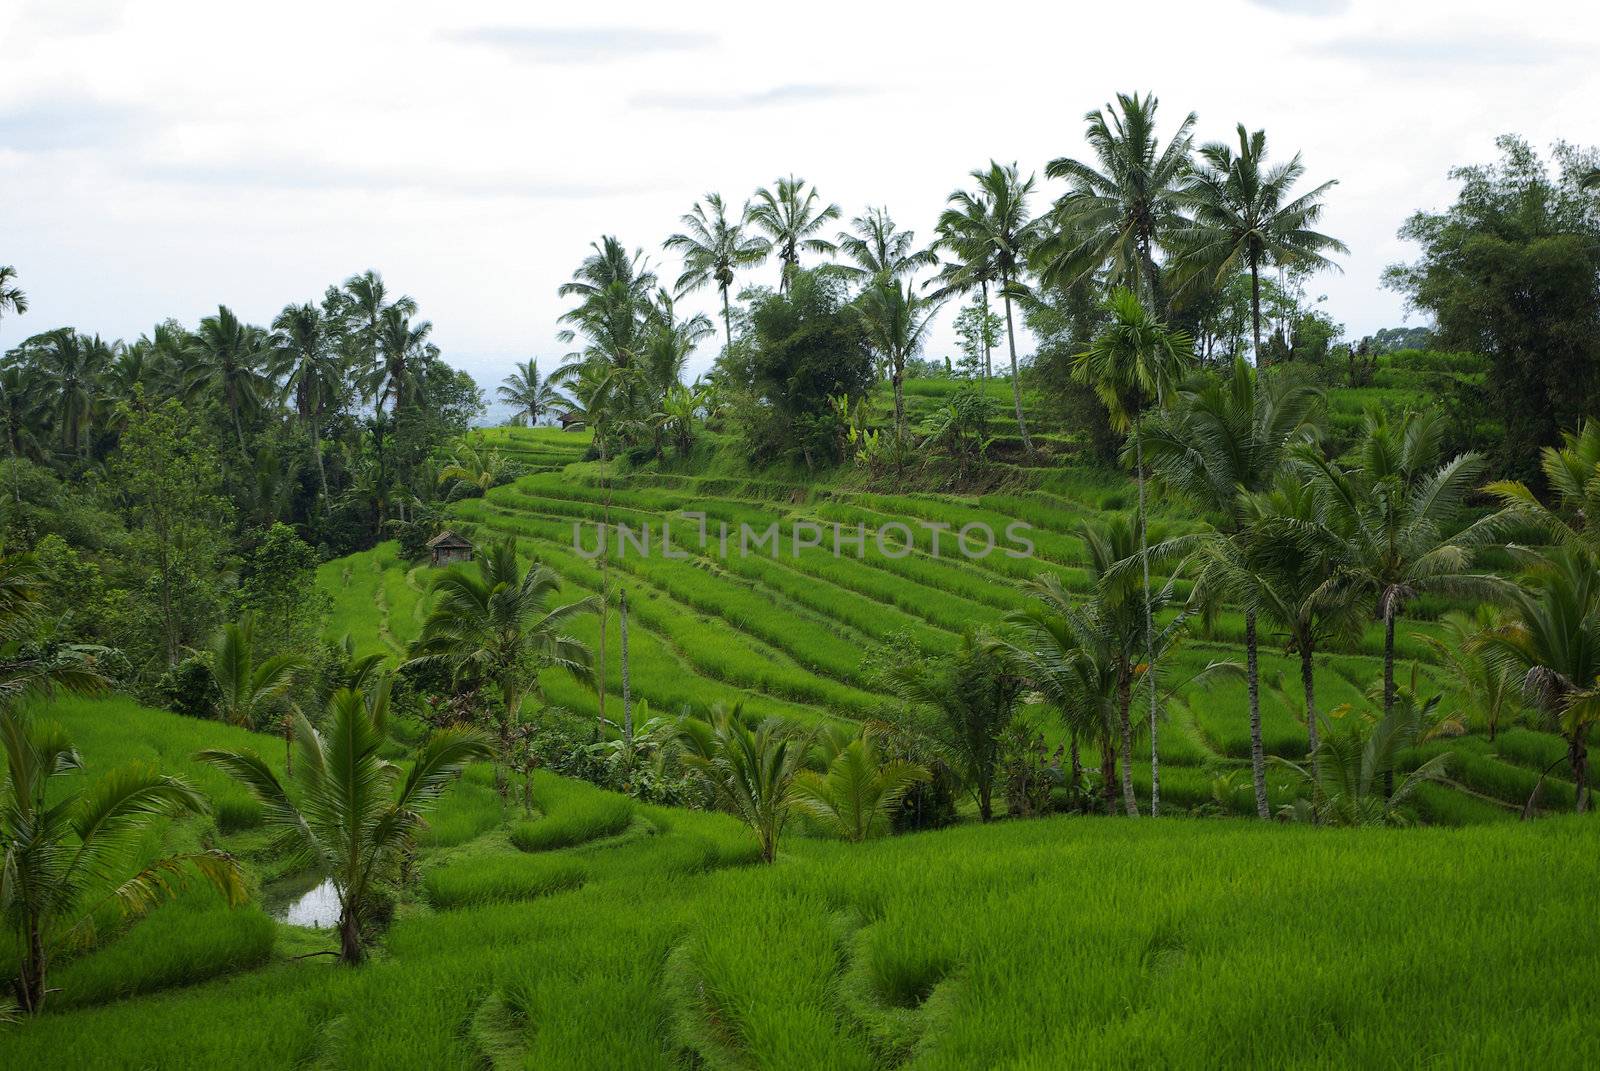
(896,319)
(856,796)
(1123,208)
(1553,642)
(789,214)
(357,813)
(750,773)
(404,353)
(878,249)
(71,365)
(991,226)
(1136,359)
(12,297)
(530,395)
(230,363)
(1246,216)
(492,622)
(1218,443)
(1481,685)
(1401,515)
(962,235)
(302,344)
(1352,781)
(476,464)
(962,709)
(23,410)
(1075,654)
(58,855)
(1573,472)
(251,689)
(361,304)
(714,248)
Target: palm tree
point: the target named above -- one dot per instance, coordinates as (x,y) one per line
(250,689)
(1352,781)
(1245,214)
(1554,643)
(59,855)
(962,709)
(962,233)
(303,345)
(714,248)
(857,795)
(1573,472)
(1076,655)
(351,825)
(879,249)
(1401,516)
(11,295)
(229,362)
(1120,210)
(1219,443)
(476,464)
(896,320)
(492,623)
(404,352)
(1480,684)
(531,396)
(750,772)
(361,304)
(991,226)
(1134,359)
(23,410)
(72,365)
(789,215)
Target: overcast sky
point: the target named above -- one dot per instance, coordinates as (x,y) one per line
(159,158)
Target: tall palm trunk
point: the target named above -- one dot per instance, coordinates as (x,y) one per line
(627,695)
(1108,773)
(1308,681)
(1258,760)
(898,379)
(1077,763)
(727,319)
(350,938)
(1130,802)
(1388,677)
(1255,308)
(1578,759)
(1149,627)
(1016,380)
(988,364)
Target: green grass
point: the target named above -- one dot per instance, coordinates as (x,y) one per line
(572,813)
(1030,944)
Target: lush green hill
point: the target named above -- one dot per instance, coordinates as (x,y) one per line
(787,634)
(651,939)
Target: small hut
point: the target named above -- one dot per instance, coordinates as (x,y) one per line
(447,548)
(569,420)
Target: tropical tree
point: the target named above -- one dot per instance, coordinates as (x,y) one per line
(303,345)
(1553,642)
(1125,206)
(961,709)
(791,216)
(404,354)
(1401,515)
(477,464)
(1353,783)
(529,395)
(1245,215)
(357,813)
(856,796)
(750,772)
(1480,685)
(361,304)
(1573,473)
(714,248)
(70,366)
(1220,442)
(989,229)
(230,364)
(1136,359)
(12,297)
(250,689)
(878,249)
(896,319)
(492,623)
(23,410)
(962,235)
(61,848)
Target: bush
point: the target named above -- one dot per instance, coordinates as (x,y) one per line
(189,688)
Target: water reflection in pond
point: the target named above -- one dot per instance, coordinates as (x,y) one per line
(318,907)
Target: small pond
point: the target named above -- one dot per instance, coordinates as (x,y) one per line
(317,907)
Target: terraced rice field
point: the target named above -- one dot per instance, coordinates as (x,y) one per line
(784,631)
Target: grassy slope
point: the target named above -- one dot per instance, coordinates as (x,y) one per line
(786,636)
(657,940)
